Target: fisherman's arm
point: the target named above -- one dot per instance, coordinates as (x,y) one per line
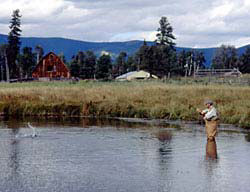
(202,112)
(210,114)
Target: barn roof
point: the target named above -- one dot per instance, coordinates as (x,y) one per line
(51,66)
(50,53)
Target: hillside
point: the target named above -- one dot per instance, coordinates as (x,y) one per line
(70,47)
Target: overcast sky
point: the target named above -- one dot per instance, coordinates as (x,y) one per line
(196,23)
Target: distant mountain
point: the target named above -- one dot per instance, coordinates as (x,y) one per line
(70,47)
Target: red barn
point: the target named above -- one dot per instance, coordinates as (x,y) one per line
(51,66)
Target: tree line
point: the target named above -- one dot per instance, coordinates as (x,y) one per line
(226,57)
(160,59)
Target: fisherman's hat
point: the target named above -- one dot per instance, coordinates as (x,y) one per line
(208,101)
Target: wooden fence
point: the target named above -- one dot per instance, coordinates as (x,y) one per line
(217,73)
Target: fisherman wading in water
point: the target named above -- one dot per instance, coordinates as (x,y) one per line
(211,118)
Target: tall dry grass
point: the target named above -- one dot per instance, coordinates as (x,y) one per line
(124,99)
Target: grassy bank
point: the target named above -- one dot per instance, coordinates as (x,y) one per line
(124,99)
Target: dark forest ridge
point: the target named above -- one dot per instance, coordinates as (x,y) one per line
(69,47)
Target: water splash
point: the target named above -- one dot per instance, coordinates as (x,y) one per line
(33,135)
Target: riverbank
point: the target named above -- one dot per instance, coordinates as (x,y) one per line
(152,99)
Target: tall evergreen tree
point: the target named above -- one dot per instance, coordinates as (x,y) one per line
(166,59)
(165,33)
(14,43)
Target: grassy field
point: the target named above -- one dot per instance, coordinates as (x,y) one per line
(148,99)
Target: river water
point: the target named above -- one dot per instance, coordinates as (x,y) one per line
(120,155)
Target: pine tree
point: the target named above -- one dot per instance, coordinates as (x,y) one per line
(14,44)
(165,33)
(166,59)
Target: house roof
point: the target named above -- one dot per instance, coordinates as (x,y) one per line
(136,75)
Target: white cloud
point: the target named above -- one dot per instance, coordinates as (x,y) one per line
(196,23)
(142,35)
(222,10)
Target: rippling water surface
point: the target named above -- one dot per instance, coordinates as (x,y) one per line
(112,156)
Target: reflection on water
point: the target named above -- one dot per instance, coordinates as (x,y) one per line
(247,137)
(211,149)
(111,155)
(164,136)
(165,148)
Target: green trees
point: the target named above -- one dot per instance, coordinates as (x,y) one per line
(145,58)
(14,44)
(124,63)
(194,60)
(159,59)
(83,65)
(244,66)
(131,64)
(225,58)
(90,64)
(165,53)
(75,67)
(27,62)
(103,67)
(14,64)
